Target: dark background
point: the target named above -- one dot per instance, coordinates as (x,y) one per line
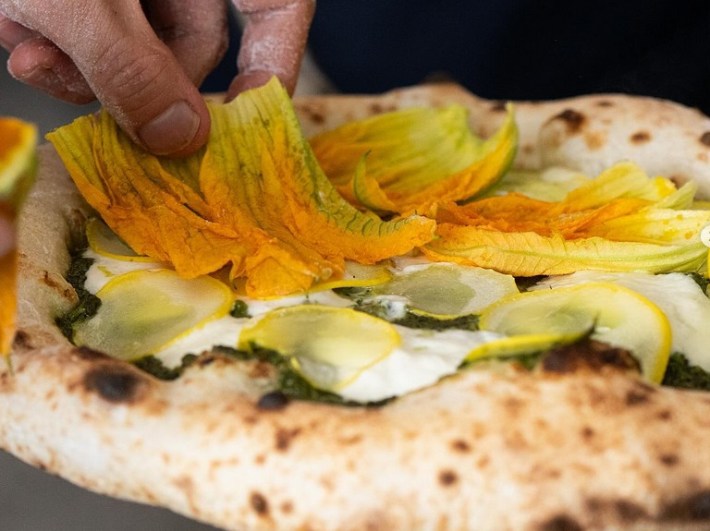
(519,49)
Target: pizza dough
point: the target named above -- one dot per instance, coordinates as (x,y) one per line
(499,449)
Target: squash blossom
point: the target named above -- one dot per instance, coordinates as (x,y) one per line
(623,220)
(17,167)
(254,199)
(278,214)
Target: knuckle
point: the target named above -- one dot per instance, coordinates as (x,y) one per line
(128,74)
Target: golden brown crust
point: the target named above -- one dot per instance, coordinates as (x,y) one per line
(483,449)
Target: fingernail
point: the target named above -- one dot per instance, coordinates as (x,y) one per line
(246,81)
(172,130)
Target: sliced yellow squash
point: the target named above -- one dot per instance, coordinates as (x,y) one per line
(104,242)
(142,312)
(524,344)
(678,296)
(445,290)
(616,315)
(356,275)
(329,346)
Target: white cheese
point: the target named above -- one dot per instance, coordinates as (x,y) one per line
(422,359)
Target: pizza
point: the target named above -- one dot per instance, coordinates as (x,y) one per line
(391,367)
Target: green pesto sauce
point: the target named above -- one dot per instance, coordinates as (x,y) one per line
(680,373)
(289,381)
(239,309)
(465,322)
(525,283)
(292,384)
(354,293)
(410,319)
(155,367)
(700,280)
(527,360)
(88,303)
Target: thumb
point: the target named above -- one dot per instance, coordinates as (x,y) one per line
(137,78)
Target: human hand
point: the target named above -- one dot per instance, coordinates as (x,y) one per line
(144,60)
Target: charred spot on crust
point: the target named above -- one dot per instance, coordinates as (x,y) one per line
(206,360)
(317,117)
(114,383)
(448,478)
(312,114)
(605,103)
(595,140)
(261,369)
(49,281)
(378,108)
(690,508)
(665,414)
(640,394)
(461,446)
(669,459)
(287,507)
(273,401)
(705,138)
(350,440)
(498,106)
(285,437)
(89,354)
(259,504)
(634,398)
(629,511)
(53,283)
(22,340)
(640,137)
(561,522)
(588,354)
(574,120)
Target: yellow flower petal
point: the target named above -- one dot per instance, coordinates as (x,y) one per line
(620,221)
(530,254)
(416,158)
(17,165)
(254,198)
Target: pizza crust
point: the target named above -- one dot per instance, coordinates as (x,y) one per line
(586,133)
(483,449)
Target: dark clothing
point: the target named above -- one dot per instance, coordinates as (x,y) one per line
(518,49)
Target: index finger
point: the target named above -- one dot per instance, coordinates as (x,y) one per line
(273,41)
